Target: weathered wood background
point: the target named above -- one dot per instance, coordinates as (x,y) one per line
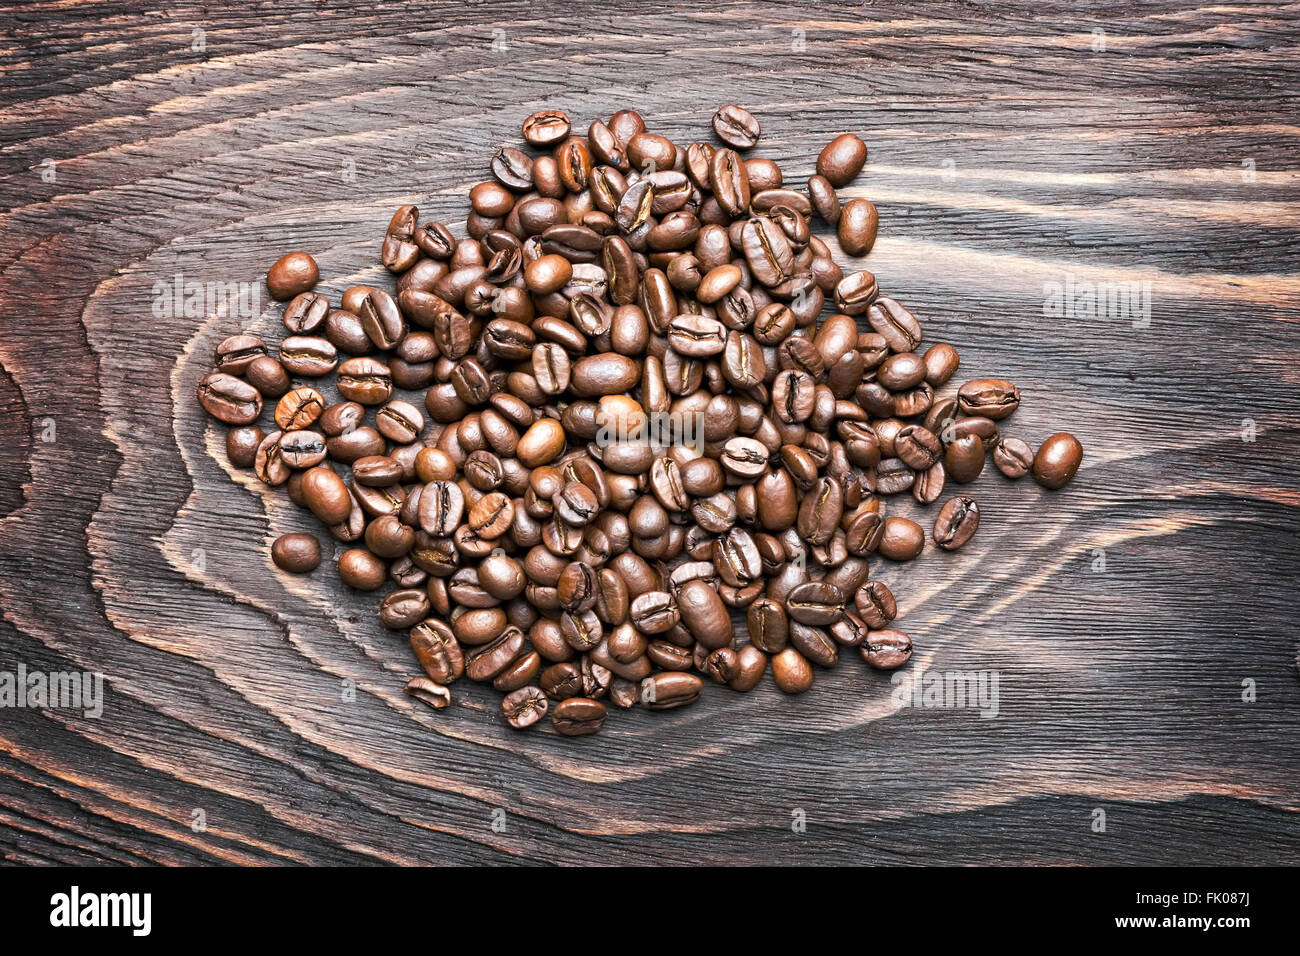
(1012,146)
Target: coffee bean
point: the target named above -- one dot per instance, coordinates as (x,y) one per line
(577,716)
(1013,457)
(524,707)
(291,274)
(902,541)
(428,692)
(964,458)
(857,226)
(546,128)
(956,523)
(229,399)
(815,603)
(233,355)
(887,650)
(360,569)
(1057,460)
(791,671)
(365,380)
(296,553)
(669,689)
(993,398)
(736,127)
(437,650)
(842,159)
(306,313)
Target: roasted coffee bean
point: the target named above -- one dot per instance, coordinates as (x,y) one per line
(856,293)
(875,604)
(842,159)
(577,716)
(894,323)
(308,355)
(736,127)
(365,380)
(234,354)
(428,692)
(791,671)
(524,707)
(669,689)
(404,609)
(442,504)
(903,539)
(887,650)
(296,553)
(360,569)
(1057,460)
(1013,457)
(302,449)
(654,612)
(941,363)
(918,447)
(292,274)
(956,523)
(229,399)
(815,603)
(241,445)
(993,398)
(437,650)
(857,226)
(704,614)
(964,458)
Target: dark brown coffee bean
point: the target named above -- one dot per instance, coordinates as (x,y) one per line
(736,127)
(704,614)
(242,442)
(1057,460)
(842,159)
(887,650)
(437,650)
(876,605)
(669,689)
(578,716)
(918,447)
(1013,457)
(964,458)
(293,273)
(360,569)
(302,449)
(428,692)
(956,523)
(365,380)
(993,398)
(815,603)
(903,539)
(791,671)
(524,707)
(229,399)
(233,355)
(296,553)
(857,227)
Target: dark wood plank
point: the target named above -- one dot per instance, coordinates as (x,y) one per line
(1005,154)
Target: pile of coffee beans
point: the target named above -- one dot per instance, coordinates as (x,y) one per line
(586,441)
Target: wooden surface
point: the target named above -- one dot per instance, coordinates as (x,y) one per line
(1006,153)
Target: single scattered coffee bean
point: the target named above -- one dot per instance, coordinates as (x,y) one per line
(842,159)
(428,692)
(293,273)
(1057,460)
(736,127)
(296,553)
(887,650)
(956,523)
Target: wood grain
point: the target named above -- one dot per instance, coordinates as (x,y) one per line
(1006,153)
